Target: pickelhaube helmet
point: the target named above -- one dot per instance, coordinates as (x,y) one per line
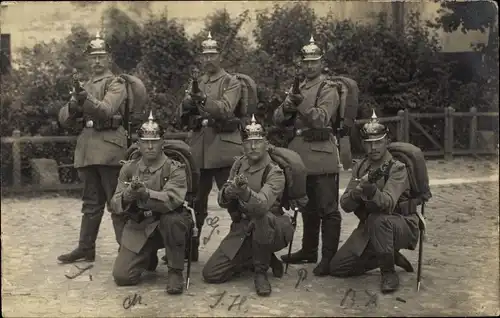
(253,131)
(311,52)
(97,46)
(373,130)
(150,130)
(209,46)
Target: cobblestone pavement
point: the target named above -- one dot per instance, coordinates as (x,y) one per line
(460,267)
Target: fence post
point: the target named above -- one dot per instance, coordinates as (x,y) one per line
(448,133)
(399,127)
(406,125)
(473,130)
(16,158)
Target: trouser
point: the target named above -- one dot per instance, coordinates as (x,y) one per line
(170,233)
(387,234)
(205,186)
(322,208)
(99,185)
(269,234)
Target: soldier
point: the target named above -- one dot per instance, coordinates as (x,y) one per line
(252,196)
(151,192)
(102,143)
(311,113)
(216,139)
(387,223)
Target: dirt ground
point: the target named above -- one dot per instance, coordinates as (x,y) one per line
(460,267)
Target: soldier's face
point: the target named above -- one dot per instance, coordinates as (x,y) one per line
(375,149)
(312,69)
(150,149)
(255,149)
(99,63)
(210,62)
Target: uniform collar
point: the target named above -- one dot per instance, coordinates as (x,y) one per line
(310,83)
(214,77)
(155,166)
(104,75)
(255,167)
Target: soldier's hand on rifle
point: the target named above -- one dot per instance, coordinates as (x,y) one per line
(129,195)
(356,193)
(198,97)
(80,96)
(368,189)
(296,99)
(289,106)
(141,191)
(231,191)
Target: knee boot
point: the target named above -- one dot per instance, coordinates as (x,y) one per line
(89,229)
(310,240)
(330,236)
(389,279)
(261,262)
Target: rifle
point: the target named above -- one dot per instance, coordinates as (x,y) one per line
(422,227)
(77,85)
(194,234)
(190,116)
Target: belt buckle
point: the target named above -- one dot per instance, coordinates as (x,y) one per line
(89,124)
(299,132)
(148,213)
(204,122)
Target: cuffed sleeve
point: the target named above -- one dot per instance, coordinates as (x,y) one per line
(118,206)
(172,194)
(66,117)
(110,105)
(224,107)
(328,102)
(221,198)
(259,203)
(385,201)
(280,116)
(347,202)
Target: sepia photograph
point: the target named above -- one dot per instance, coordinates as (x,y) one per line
(249,158)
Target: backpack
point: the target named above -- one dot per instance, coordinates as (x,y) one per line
(180,151)
(348,91)
(295,175)
(248,102)
(418,177)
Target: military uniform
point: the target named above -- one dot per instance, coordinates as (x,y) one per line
(214,142)
(314,141)
(165,222)
(99,148)
(388,222)
(259,227)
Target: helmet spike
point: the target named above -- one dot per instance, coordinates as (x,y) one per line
(311,40)
(374,116)
(209,35)
(253,119)
(151,118)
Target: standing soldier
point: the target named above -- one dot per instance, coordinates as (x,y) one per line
(216,138)
(379,194)
(97,109)
(311,112)
(151,191)
(252,196)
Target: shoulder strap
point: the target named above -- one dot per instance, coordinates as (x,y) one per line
(359,167)
(265,174)
(165,172)
(389,167)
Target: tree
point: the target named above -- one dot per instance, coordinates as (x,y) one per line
(468,15)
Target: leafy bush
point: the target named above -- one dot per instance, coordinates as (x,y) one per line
(394,70)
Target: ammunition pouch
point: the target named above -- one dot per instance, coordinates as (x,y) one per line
(280,135)
(316,134)
(407,207)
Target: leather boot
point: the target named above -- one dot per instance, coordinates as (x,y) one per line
(389,279)
(89,229)
(310,240)
(401,261)
(276,266)
(153,261)
(261,256)
(175,281)
(330,236)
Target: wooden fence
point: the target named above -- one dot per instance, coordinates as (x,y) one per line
(404,121)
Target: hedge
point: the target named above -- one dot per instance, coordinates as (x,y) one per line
(394,70)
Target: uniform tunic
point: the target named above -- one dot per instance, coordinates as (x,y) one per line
(387,221)
(261,232)
(166,184)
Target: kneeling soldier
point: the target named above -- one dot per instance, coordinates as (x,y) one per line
(151,191)
(252,196)
(380,201)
